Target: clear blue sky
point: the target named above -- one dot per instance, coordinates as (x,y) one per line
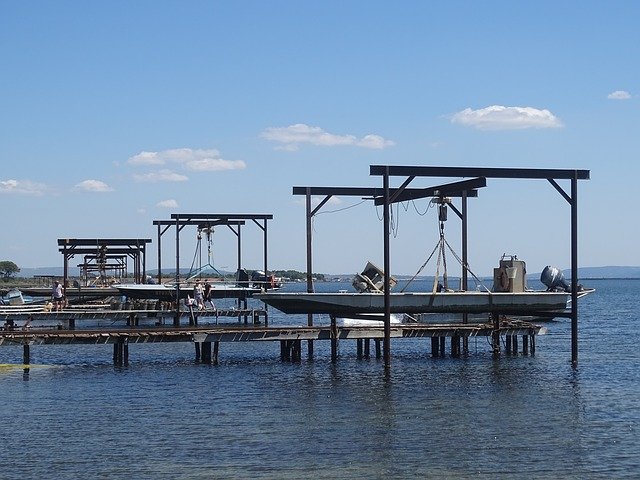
(114,114)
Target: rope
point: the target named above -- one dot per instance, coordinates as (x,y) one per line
(440,247)
(342,209)
(195,255)
(466,267)
(198,254)
(445,277)
(435,279)
(422,267)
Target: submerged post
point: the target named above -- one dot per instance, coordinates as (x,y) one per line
(159,256)
(387,266)
(574,270)
(334,339)
(435,347)
(465,263)
(176,319)
(495,335)
(309,265)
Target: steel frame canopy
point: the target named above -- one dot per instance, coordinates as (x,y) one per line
(464,189)
(201,224)
(106,247)
(180,220)
(551,175)
(101,263)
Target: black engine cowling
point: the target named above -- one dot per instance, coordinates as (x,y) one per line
(553,278)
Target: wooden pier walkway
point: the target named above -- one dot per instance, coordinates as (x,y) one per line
(39,314)
(39,331)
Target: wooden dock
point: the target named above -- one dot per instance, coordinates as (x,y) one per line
(59,328)
(39,315)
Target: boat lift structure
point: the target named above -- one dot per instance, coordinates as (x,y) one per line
(207,221)
(102,254)
(463,189)
(410,173)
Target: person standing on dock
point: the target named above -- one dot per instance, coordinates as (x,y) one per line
(58,296)
(198,295)
(207,295)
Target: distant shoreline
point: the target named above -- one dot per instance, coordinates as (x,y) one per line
(609,278)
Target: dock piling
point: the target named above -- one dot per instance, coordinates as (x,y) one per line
(334,339)
(495,335)
(455,345)
(205,352)
(121,352)
(435,347)
(297,350)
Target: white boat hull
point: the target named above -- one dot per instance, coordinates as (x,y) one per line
(168,292)
(443,302)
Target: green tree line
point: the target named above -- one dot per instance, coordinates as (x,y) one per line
(8,269)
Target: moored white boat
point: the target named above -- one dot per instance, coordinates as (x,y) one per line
(369,322)
(169,292)
(508,296)
(440,302)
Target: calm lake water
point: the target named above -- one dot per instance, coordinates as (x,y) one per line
(75,415)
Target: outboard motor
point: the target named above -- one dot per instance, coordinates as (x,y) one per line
(553,278)
(242,278)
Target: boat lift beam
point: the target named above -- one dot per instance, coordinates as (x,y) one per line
(198,223)
(454,189)
(411,172)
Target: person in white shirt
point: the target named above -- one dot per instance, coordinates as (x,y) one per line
(58,296)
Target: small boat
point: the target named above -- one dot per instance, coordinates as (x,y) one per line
(14,297)
(509,296)
(440,302)
(396,319)
(258,279)
(168,292)
(89,292)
